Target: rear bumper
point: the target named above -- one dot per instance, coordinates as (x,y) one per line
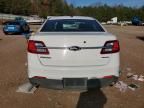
(59,84)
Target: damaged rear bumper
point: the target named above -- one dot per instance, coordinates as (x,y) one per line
(73,83)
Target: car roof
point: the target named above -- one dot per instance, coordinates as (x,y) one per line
(69,17)
(11,22)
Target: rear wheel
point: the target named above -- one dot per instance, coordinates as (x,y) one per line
(6,33)
(33,83)
(26,29)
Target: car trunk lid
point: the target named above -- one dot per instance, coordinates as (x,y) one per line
(74,49)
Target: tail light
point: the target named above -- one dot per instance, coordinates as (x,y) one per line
(108,77)
(37,47)
(111,47)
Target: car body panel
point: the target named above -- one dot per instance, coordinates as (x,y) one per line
(15,27)
(89,54)
(35,68)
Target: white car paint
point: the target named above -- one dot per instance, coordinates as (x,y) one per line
(62,63)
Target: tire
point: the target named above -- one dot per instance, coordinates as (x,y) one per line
(26,29)
(32,82)
(6,33)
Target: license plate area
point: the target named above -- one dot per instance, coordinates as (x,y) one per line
(75,83)
(11,28)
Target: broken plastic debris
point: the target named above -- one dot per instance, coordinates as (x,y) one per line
(133,87)
(135,77)
(27,88)
(128,69)
(121,86)
(141,78)
(129,75)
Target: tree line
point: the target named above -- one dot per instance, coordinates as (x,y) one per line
(45,8)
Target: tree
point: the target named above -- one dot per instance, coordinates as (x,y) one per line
(2,5)
(46,8)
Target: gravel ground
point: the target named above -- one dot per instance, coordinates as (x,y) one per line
(13,73)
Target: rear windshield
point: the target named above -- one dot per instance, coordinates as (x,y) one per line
(72,25)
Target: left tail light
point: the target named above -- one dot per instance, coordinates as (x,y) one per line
(37,47)
(111,47)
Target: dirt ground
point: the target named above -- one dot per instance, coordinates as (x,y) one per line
(13,73)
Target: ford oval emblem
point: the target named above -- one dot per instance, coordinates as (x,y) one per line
(74,48)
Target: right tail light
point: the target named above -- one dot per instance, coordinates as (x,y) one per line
(111,47)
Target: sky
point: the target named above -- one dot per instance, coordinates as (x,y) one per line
(132,3)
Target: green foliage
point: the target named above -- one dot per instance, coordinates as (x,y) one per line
(105,12)
(46,8)
(2,5)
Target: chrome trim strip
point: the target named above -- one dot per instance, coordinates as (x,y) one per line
(79,47)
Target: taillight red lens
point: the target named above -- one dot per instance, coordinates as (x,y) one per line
(107,77)
(111,47)
(39,77)
(37,47)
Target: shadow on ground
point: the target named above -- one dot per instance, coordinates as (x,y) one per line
(92,99)
(140,38)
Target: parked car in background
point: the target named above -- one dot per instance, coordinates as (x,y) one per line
(73,52)
(137,21)
(16,27)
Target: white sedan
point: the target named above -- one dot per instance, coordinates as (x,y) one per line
(73,52)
